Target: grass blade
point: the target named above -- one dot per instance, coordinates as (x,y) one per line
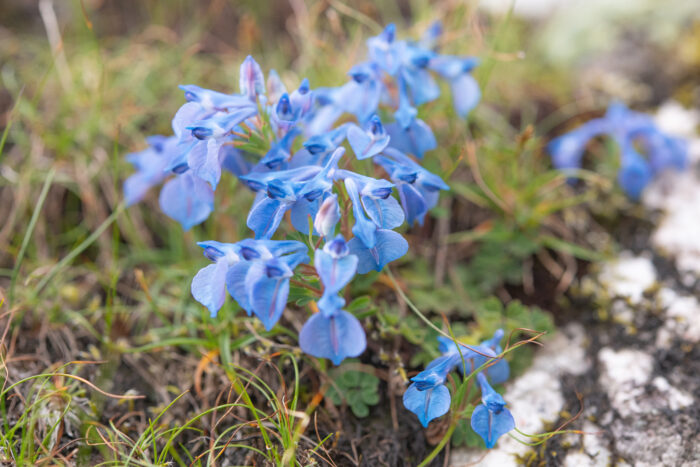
(30,229)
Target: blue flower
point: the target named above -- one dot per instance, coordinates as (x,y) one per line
(279,154)
(418,189)
(252,80)
(428,397)
(383,50)
(428,404)
(335,336)
(335,265)
(188,199)
(267,286)
(491,419)
(255,272)
(150,167)
(300,190)
(373,244)
(436,372)
(477,356)
(388,246)
(629,130)
(369,142)
(465,90)
(409,134)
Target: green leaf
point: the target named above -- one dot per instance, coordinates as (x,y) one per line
(567,247)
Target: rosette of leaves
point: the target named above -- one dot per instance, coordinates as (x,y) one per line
(358,389)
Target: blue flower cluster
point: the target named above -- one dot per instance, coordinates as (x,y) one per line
(631,131)
(429,398)
(298,172)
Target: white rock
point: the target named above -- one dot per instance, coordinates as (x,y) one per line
(628,276)
(623,376)
(579,459)
(675,398)
(593,444)
(674,119)
(683,317)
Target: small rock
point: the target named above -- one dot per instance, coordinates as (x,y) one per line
(628,276)
(623,376)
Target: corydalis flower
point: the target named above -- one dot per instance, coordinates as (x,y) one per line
(300,191)
(429,398)
(418,189)
(374,244)
(150,167)
(630,130)
(255,272)
(333,333)
(491,419)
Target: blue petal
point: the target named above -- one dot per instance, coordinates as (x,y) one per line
(184,117)
(212,100)
(429,404)
(336,337)
(203,160)
(363,229)
(359,99)
(275,86)
(252,80)
(209,286)
(436,372)
(635,173)
(567,150)
(233,160)
(385,213)
(416,139)
(236,284)
(389,246)
(413,202)
(300,212)
(267,295)
(330,304)
(422,86)
(465,94)
(187,199)
(265,216)
(489,425)
(335,273)
(363,145)
(136,187)
(327,216)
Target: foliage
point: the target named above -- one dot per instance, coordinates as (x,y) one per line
(359,389)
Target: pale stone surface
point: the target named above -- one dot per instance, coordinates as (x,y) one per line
(683,317)
(628,276)
(623,376)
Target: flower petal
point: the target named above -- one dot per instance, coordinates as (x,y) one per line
(209,286)
(429,404)
(389,246)
(489,425)
(336,337)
